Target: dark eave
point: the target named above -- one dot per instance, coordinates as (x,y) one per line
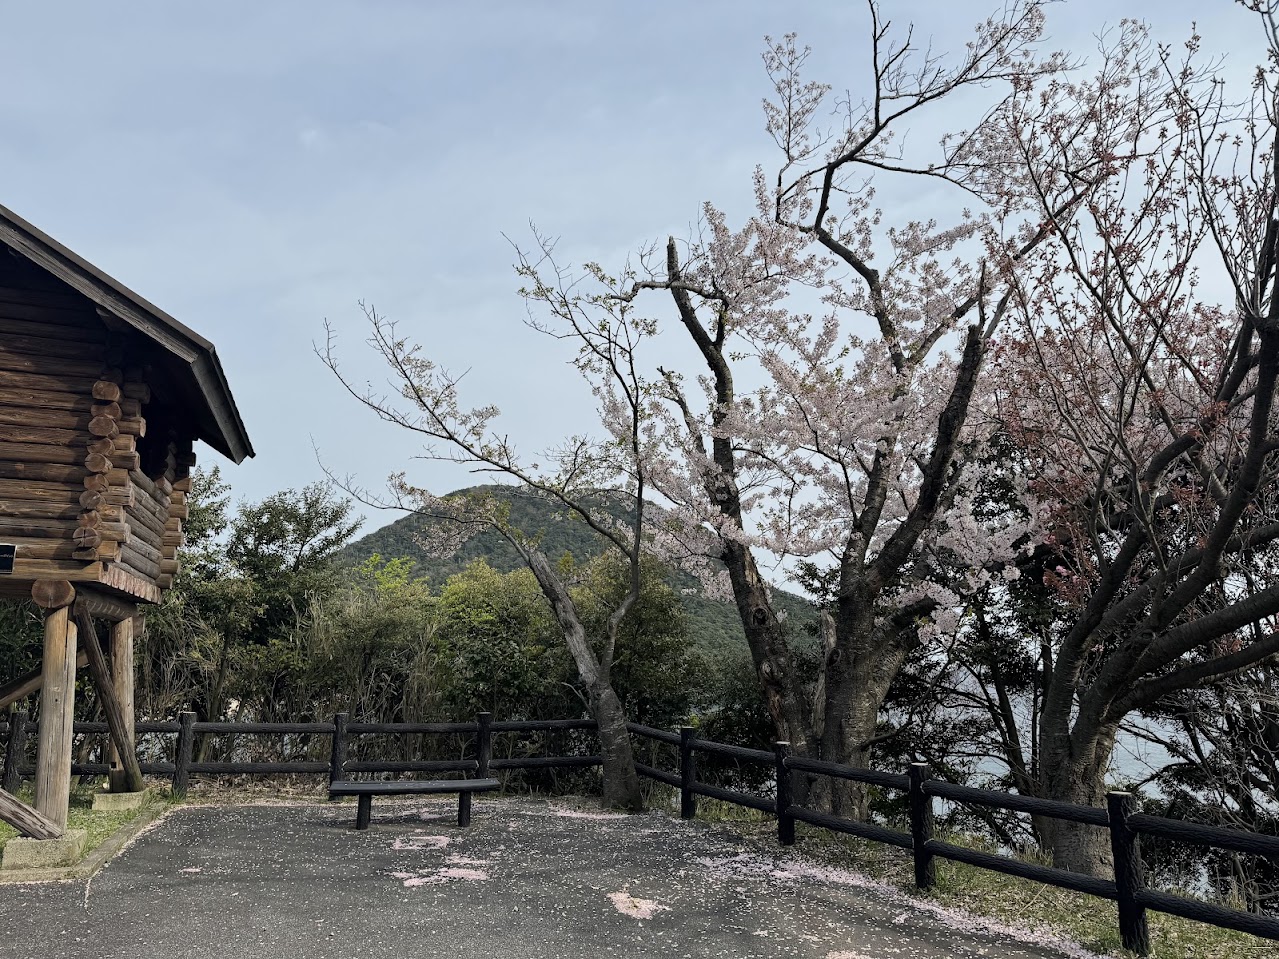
(220,423)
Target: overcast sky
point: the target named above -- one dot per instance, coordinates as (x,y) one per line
(257,167)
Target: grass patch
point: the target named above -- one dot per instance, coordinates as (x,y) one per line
(99,826)
(1091,922)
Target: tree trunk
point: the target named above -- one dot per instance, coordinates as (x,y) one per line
(770,651)
(856,688)
(621,783)
(214,708)
(858,675)
(1079,778)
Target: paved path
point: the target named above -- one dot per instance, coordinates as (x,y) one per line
(529,879)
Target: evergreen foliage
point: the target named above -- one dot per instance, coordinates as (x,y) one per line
(713,625)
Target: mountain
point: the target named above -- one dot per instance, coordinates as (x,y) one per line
(713,624)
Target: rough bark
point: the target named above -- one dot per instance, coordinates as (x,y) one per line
(1076,773)
(867,654)
(858,674)
(621,784)
(770,651)
(765,634)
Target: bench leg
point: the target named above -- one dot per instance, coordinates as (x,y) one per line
(363,811)
(464,809)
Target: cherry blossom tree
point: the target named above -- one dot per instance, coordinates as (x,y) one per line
(857,452)
(590,478)
(1137,385)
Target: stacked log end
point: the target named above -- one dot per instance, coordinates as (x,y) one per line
(115,422)
(70,425)
(177,480)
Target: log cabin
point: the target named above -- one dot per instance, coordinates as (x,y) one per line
(102,398)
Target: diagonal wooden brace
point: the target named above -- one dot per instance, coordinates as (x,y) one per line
(24,686)
(116,723)
(26,820)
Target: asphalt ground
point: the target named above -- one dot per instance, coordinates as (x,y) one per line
(528,878)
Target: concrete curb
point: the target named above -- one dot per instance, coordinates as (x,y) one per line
(96,859)
(23,853)
(117,802)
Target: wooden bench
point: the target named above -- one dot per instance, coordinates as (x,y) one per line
(339,785)
(365,791)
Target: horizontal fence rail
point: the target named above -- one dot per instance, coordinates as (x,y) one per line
(1125,825)
(431,728)
(19,730)
(411,766)
(993,799)
(1220,837)
(871,777)
(1120,818)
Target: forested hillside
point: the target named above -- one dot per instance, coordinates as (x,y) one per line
(712,624)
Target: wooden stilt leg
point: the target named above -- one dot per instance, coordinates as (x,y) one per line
(122,679)
(57,713)
(464,809)
(363,811)
(110,705)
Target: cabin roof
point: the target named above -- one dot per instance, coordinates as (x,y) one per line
(192,359)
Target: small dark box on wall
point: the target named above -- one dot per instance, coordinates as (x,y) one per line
(7,553)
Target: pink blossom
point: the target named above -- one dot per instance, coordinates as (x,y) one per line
(418,842)
(629,905)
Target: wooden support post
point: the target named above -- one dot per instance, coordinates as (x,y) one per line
(121,730)
(182,754)
(57,715)
(921,827)
(687,773)
(15,751)
(363,811)
(122,634)
(785,821)
(337,755)
(1130,873)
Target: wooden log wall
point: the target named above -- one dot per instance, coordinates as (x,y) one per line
(73,495)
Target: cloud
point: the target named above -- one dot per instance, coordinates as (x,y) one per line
(254,168)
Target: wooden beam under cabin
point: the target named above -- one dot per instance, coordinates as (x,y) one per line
(122,635)
(57,715)
(117,725)
(103,605)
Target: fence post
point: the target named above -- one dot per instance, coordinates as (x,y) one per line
(483,752)
(921,827)
(687,773)
(182,754)
(1130,873)
(785,821)
(15,751)
(484,744)
(337,755)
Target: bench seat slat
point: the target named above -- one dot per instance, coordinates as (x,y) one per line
(408,787)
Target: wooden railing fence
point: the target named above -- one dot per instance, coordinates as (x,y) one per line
(20,729)
(1125,824)
(1128,889)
